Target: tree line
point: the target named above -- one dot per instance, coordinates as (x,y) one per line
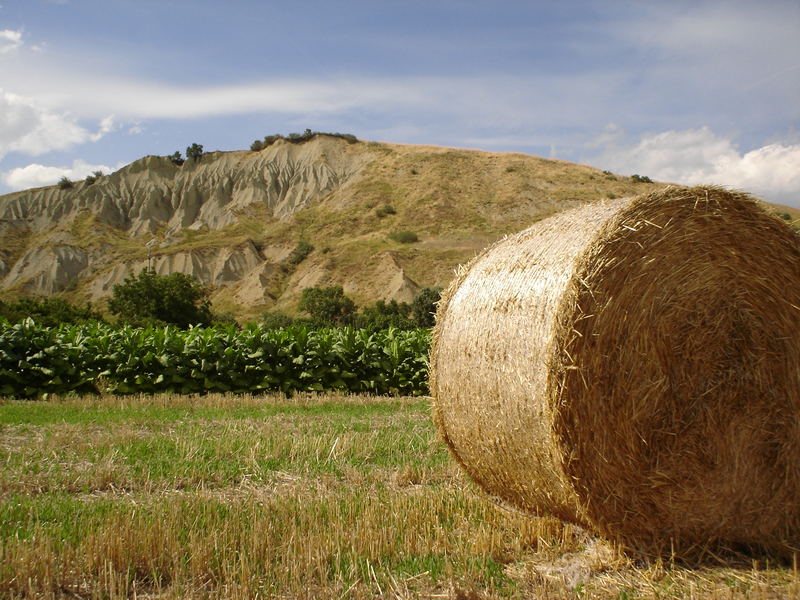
(147,299)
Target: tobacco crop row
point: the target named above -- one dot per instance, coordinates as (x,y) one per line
(35,360)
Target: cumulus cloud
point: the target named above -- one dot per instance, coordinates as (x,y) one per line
(27,127)
(696,156)
(10,40)
(36,175)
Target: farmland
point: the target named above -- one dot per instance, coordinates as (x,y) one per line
(331,496)
(95,357)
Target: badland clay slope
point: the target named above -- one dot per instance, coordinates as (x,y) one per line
(234,219)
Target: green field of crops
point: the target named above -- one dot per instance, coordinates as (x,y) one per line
(98,358)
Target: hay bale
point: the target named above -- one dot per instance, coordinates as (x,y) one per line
(633,367)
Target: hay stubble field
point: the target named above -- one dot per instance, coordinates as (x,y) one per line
(321,496)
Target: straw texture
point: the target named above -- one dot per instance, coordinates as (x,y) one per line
(633,367)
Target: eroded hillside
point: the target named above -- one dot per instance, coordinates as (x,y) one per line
(233,220)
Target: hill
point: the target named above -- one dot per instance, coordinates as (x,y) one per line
(259,226)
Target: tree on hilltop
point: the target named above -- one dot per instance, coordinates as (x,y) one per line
(195,151)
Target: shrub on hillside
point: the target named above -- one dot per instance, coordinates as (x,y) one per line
(348,137)
(636,178)
(298,255)
(90,179)
(271,139)
(404,237)
(386,209)
(299,138)
(64,183)
(176,158)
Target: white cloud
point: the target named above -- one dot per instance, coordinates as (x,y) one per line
(36,175)
(498,99)
(10,40)
(27,127)
(134,99)
(697,156)
(106,126)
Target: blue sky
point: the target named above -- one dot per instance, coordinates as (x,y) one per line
(690,92)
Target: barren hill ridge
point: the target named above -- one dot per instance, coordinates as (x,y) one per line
(236,220)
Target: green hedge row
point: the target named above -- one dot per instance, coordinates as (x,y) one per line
(95,357)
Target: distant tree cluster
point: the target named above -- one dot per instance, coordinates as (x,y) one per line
(636,178)
(65,183)
(327,306)
(49,312)
(298,138)
(149,298)
(194,152)
(90,179)
(331,307)
(383,315)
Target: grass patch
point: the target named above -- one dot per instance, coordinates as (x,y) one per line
(314,496)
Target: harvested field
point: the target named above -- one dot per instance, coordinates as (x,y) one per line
(311,497)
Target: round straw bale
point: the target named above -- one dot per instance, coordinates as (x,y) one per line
(633,366)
